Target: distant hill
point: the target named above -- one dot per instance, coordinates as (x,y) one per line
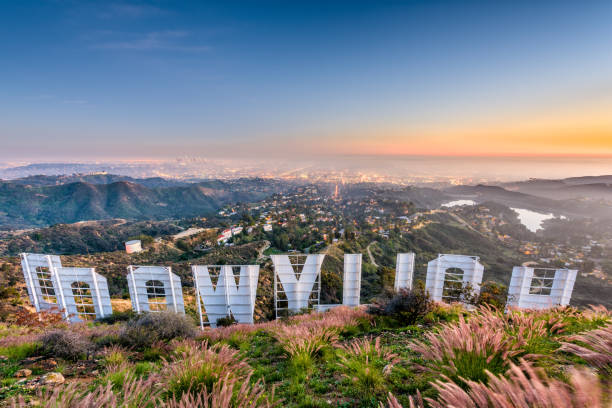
(421,196)
(607,179)
(99,178)
(591,187)
(537,196)
(25,205)
(498,194)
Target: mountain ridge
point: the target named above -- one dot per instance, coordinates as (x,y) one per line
(24,205)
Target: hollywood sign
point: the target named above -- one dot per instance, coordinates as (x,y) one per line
(230,290)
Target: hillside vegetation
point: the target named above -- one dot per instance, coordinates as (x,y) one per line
(403,351)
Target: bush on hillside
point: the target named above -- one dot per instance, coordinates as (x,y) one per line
(118,317)
(146,329)
(493,294)
(66,344)
(226,321)
(406,306)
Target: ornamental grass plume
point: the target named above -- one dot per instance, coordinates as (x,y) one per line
(366,363)
(200,368)
(229,392)
(304,339)
(525,387)
(366,348)
(338,317)
(517,322)
(115,355)
(467,348)
(597,348)
(392,402)
(597,314)
(133,393)
(237,332)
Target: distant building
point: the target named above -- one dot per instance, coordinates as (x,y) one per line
(134,246)
(225,235)
(267,227)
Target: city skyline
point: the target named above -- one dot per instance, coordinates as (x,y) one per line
(157,80)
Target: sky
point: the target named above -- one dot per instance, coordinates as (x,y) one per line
(84,80)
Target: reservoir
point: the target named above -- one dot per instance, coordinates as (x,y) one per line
(531,219)
(458,203)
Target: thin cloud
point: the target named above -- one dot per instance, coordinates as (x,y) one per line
(75,101)
(169,40)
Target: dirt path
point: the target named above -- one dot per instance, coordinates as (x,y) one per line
(261,250)
(372,261)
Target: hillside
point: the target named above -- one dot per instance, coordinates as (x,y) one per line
(541,198)
(592,188)
(26,206)
(84,237)
(422,197)
(406,351)
(97,178)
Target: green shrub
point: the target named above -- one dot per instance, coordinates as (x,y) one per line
(143,368)
(154,353)
(226,321)
(8,292)
(118,375)
(107,341)
(367,364)
(8,369)
(118,317)
(493,294)
(444,313)
(115,356)
(20,351)
(365,376)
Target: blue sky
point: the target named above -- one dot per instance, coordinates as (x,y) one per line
(161,79)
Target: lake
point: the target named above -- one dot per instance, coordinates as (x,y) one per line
(531,219)
(458,203)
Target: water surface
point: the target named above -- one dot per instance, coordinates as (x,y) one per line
(458,203)
(531,219)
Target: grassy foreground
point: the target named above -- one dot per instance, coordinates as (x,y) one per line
(345,357)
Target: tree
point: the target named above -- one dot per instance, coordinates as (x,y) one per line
(247,218)
(494,294)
